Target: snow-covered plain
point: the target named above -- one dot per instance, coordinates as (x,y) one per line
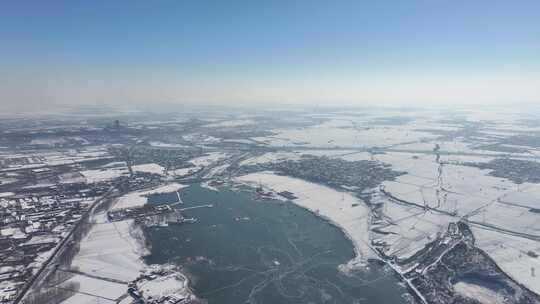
(112,250)
(499,212)
(208,159)
(53,158)
(93,290)
(481,294)
(149,168)
(139,198)
(231,123)
(170,282)
(101,175)
(345,134)
(184,171)
(6,194)
(454,190)
(511,255)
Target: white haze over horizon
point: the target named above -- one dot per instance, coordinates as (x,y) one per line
(47,93)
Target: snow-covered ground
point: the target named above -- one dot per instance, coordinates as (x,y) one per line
(341,208)
(6,194)
(114,250)
(50,141)
(169,282)
(408,229)
(406,141)
(467,192)
(93,290)
(100,175)
(54,158)
(511,255)
(481,294)
(110,250)
(458,191)
(341,133)
(216,170)
(208,159)
(231,123)
(149,168)
(184,171)
(71,177)
(139,198)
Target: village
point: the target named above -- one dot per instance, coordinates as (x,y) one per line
(32,228)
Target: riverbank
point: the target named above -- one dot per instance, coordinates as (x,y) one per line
(111,255)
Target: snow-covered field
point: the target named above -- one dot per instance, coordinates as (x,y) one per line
(341,208)
(457,190)
(216,170)
(231,123)
(184,171)
(113,250)
(149,168)
(481,294)
(71,177)
(50,141)
(171,282)
(208,159)
(409,229)
(110,250)
(139,198)
(467,192)
(340,133)
(93,290)
(415,208)
(100,175)
(511,255)
(6,194)
(54,158)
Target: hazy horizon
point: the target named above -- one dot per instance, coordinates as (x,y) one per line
(241,53)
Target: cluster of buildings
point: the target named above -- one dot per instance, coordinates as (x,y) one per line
(31,227)
(137,212)
(333,172)
(516,170)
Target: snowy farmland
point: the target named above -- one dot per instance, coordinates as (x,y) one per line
(414,189)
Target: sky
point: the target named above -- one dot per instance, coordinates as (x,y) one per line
(251,53)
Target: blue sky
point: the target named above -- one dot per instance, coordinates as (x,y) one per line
(250,52)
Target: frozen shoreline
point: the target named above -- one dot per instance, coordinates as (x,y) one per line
(341,209)
(113,250)
(138,198)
